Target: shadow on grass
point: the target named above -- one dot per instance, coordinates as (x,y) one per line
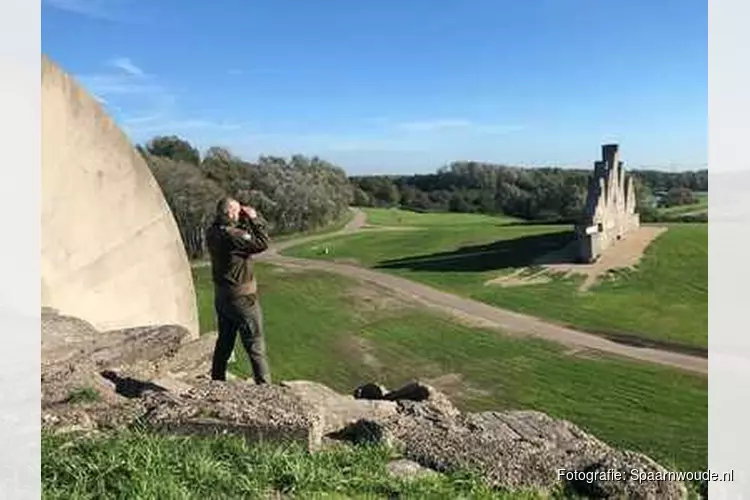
(635,340)
(502,254)
(541,222)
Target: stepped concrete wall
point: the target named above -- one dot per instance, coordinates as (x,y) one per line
(609,213)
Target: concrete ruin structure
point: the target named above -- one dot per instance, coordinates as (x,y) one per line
(111,251)
(609,213)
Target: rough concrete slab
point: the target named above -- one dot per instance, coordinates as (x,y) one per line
(260,413)
(337,411)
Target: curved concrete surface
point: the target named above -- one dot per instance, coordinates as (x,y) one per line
(111,250)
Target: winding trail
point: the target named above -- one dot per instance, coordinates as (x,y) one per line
(479,312)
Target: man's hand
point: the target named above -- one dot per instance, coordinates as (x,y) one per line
(250,212)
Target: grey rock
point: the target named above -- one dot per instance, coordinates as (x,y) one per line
(623,463)
(64,338)
(435,401)
(100,415)
(193,359)
(112,367)
(151,376)
(72,345)
(408,469)
(173,385)
(133,345)
(75,355)
(335,410)
(257,412)
(514,450)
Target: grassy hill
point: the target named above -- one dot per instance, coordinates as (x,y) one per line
(386,217)
(331,329)
(699,207)
(339,332)
(665,298)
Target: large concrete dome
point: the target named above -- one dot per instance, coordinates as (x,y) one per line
(111,250)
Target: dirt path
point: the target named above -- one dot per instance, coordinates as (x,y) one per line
(480,313)
(359,219)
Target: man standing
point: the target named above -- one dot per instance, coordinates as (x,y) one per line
(234,237)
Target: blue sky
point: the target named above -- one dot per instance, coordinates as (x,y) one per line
(393,86)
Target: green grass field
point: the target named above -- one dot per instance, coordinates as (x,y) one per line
(148,466)
(664,299)
(701,206)
(390,217)
(332,330)
(331,228)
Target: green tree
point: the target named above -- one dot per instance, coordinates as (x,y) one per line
(174,148)
(680,196)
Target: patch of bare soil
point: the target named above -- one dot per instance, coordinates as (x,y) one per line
(350,261)
(454,386)
(584,353)
(288,269)
(624,254)
(369,302)
(363,350)
(370,227)
(368,299)
(521,277)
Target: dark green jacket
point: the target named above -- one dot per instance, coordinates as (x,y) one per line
(231,246)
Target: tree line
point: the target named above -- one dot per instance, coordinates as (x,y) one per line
(300,194)
(294,195)
(534,194)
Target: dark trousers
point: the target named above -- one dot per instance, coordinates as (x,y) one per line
(243,315)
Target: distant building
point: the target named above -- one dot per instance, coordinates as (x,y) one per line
(609,213)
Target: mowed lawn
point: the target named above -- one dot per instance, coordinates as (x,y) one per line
(700,206)
(664,299)
(330,329)
(386,217)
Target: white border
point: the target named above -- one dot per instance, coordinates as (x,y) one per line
(20,206)
(729,338)
(729,239)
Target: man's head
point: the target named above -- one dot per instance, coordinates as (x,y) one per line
(229,208)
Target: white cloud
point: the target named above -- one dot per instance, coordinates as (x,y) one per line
(434,125)
(497,129)
(139,119)
(118,84)
(98,9)
(162,124)
(322,143)
(126,65)
(120,11)
(438,125)
(387,136)
(143,104)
